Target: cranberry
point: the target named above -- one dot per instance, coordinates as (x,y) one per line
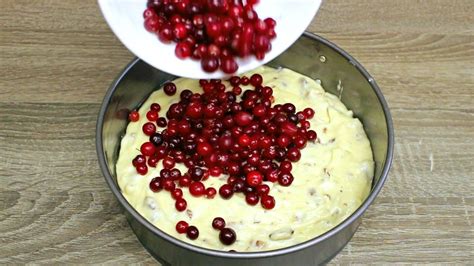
(147,149)
(156,184)
(134,116)
(293,154)
(271,23)
(156,139)
(194,110)
(211,192)
(184,181)
(263,189)
(168,162)
(283,141)
(179,31)
(177,193)
(155,107)
(218,223)
(268,202)
(238,185)
(243,118)
(165,34)
(285,167)
(175,174)
(149,128)
(142,169)
(309,113)
(153,161)
(227,236)
(204,149)
(196,173)
(181,204)
(285,179)
(254,178)
(169,185)
(170,88)
(161,122)
(252,198)
(210,63)
(226,191)
(215,171)
(192,232)
(139,160)
(300,141)
(256,80)
(311,135)
(164,173)
(181,227)
(244,140)
(229,65)
(183,51)
(197,189)
(151,24)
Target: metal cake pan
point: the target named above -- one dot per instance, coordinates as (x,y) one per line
(312,56)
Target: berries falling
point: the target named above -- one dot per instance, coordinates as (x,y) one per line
(224,130)
(214,32)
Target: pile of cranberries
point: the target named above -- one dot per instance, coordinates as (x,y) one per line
(214,133)
(212,31)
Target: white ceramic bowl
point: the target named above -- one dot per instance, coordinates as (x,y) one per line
(126,21)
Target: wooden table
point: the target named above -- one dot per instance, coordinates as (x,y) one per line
(57,58)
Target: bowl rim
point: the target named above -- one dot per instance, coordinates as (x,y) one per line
(261,254)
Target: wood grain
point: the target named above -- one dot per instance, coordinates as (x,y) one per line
(58,57)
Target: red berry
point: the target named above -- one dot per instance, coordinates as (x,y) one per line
(184,181)
(209,63)
(149,128)
(268,202)
(156,184)
(215,171)
(211,192)
(256,80)
(228,65)
(192,232)
(197,189)
(168,162)
(155,107)
(293,154)
(252,198)
(204,149)
(285,179)
(243,118)
(218,223)
(165,34)
(152,116)
(227,236)
(179,31)
(142,169)
(254,178)
(177,193)
(134,116)
(181,204)
(181,227)
(183,50)
(139,160)
(311,135)
(147,149)
(309,113)
(263,189)
(170,88)
(226,191)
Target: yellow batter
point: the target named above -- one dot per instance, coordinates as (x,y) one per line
(332,178)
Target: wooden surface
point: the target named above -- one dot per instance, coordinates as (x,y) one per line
(57,58)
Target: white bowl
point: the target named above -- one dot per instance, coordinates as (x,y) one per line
(126,21)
